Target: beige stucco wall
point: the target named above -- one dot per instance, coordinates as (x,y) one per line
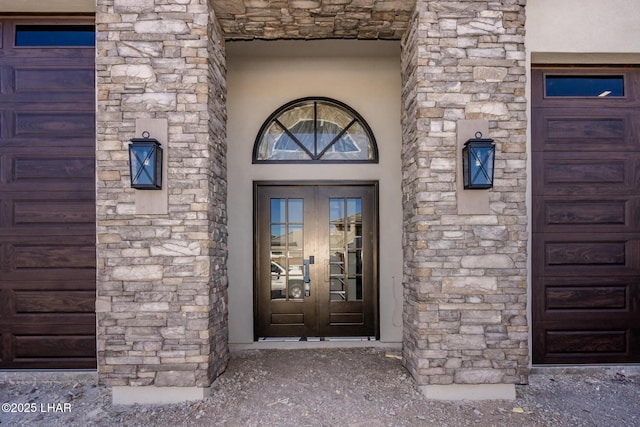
(48,6)
(602,29)
(262,76)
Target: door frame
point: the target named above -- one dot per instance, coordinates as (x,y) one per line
(375,223)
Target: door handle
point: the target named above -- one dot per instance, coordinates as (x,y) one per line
(306,263)
(307,278)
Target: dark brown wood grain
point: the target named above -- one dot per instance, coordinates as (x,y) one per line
(47,205)
(586,226)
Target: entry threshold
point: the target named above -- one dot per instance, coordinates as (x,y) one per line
(292,343)
(294,339)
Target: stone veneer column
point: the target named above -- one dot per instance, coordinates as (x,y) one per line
(465,277)
(162,279)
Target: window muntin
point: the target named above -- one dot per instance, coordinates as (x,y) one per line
(584,86)
(55,36)
(315,130)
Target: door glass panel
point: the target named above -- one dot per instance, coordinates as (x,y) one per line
(278,238)
(355,289)
(294,238)
(346,238)
(337,290)
(296,211)
(278,211)
(287,248)
(354,209)
(336,210)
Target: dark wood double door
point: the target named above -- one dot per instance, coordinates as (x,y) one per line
(316,267)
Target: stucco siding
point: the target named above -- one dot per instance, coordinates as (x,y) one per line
(583,26)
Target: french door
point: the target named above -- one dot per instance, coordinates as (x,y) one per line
(315,260)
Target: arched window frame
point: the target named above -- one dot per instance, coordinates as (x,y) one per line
(316,157)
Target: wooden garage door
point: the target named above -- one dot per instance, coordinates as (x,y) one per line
(47,195)
(586,215)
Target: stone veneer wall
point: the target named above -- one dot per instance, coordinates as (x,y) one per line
(465,276)
(161,302)
(216,162)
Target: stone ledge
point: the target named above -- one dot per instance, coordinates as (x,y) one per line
(151,395)
(469,392)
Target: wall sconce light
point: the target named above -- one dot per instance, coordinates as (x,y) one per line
(145,163)
(478,157)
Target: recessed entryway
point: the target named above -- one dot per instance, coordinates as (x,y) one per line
(280,94)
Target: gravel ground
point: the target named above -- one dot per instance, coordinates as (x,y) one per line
(331,387)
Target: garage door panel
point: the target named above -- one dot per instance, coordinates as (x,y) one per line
(50,216)
(51,363)
(68,146)
(82,281)
(46,79)
(586,174)
(55,301)
(81,233)
(575,175)
(587,130)
(48,257)
(596,254)
(577,254)
(54,167)
(53,124)
(48,324)
(560,298)
(609,130)
(587,342)
(62,345)
(592,344)
(602,305)
(45,255)
(609,295)
(53,79)
(34,213)
(26,172)
(585,214)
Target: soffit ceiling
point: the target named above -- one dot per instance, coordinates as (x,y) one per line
(313,19)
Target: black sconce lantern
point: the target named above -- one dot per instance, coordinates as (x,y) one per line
(145,163)
(478,157)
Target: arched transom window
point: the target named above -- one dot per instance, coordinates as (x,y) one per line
(320,130)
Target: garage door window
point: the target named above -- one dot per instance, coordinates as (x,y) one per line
(55,35)
(584,86)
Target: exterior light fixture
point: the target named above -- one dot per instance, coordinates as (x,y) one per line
(145,163)
(478,157)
